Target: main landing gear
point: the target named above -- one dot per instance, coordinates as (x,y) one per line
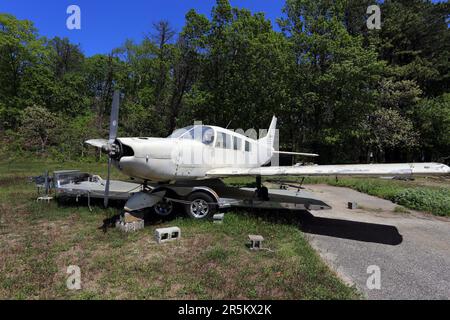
(261,191)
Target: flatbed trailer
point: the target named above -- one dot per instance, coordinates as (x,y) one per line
(77,184)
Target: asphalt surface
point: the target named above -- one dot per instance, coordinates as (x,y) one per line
(412,250)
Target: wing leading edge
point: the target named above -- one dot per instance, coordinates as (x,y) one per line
(386,169)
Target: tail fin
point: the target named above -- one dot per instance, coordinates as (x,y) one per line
(269,139)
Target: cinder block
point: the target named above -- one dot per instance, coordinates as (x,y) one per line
(129,223)
(255,241)
(352,205)
(44,198)
(167,234)
(130,226)
(218,218)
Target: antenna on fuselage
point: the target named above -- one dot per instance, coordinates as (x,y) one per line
(228,124)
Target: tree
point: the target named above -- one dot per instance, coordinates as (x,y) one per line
(65,57)
(432,119)
(20,49)
(387,129)
(39,128)
(100,72)
(334,79)
(243,65)
(415,40)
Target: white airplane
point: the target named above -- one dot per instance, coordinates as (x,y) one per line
(202,152)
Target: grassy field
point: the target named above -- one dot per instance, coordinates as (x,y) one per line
(38,241)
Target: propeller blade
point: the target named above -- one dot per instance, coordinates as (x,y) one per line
(98,143)
(106,198)
(114,120)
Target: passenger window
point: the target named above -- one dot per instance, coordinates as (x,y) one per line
(220,140)
(248,146)
(223,140)
(237,143)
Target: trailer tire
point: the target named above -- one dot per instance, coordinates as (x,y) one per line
(164,208)
(200,206)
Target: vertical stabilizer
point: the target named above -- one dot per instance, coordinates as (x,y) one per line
(269,139)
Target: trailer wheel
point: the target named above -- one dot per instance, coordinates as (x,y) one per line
(200,205)
(164,208)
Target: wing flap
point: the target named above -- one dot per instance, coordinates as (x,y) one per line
(388,169)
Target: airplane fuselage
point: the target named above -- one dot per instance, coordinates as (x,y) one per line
(190,156)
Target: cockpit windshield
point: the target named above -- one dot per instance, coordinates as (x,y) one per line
(179,132)
(204,134)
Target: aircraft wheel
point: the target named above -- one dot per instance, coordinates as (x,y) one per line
(164,208)
(200,206)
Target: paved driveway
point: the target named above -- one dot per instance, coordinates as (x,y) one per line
(412,250)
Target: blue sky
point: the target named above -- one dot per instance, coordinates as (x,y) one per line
(106,24)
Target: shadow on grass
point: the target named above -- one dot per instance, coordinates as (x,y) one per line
(345,229)
(308,223)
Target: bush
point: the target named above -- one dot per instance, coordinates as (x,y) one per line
(436,201)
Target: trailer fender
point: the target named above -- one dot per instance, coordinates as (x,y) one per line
(142,200)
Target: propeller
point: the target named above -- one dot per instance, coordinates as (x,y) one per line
(110,147)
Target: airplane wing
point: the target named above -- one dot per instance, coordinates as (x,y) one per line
(391,169)
(297,153)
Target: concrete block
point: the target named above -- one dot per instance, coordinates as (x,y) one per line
(44,198)
(352,205)
(129,223)
(167,234)
(218,218)
(255,241)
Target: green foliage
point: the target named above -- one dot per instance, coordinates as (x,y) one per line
(432,117)
(40,128)
(435,201)
(324,74)
(415,40)
(387,128)
(335,78)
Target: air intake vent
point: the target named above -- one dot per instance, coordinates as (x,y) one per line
(127,151)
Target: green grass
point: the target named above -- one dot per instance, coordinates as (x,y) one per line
(38,241)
